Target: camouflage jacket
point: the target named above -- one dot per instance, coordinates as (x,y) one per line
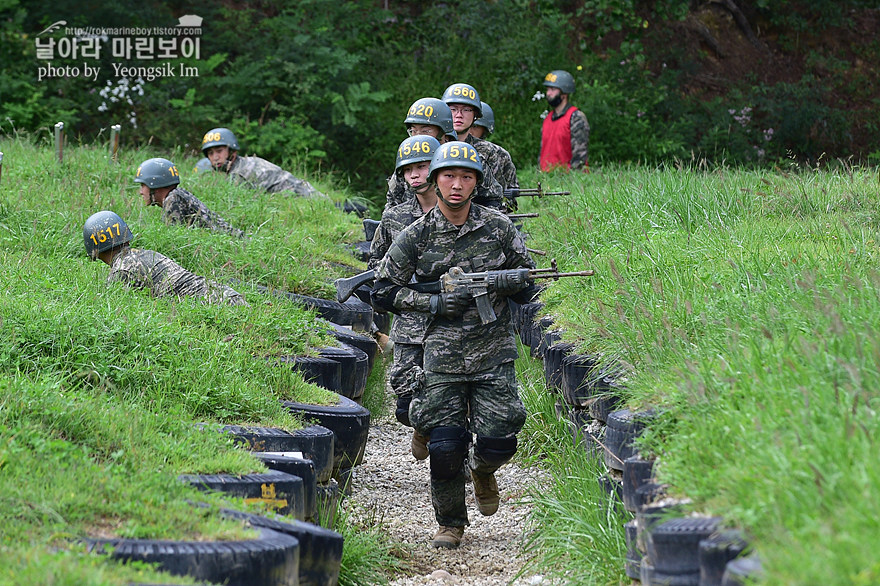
(426,250)
(182,207)
(259,173)
(489,190)
(147,269)
(498,160)
(580,140)
(409,326)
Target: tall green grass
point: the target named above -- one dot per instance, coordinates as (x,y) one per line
(746,305)
(107,394)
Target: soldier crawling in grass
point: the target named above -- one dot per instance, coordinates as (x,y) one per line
(107,237)
(408,328)
(220,146)
(470,382)
(160,186)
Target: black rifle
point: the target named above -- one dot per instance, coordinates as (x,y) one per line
(476,285)
(531,192)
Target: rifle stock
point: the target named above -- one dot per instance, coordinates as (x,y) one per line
(346,287)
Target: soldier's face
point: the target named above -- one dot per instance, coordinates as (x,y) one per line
(416,174)
(456,184)
(145,193)
(424,130)
(462,116)
(218,156)
(477,131)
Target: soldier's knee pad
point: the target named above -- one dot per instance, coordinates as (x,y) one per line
(495,451)
(448,448)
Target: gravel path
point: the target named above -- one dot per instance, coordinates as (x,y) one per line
(395,487)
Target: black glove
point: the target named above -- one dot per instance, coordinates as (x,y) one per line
(448,305)
(402,411)
(508,283)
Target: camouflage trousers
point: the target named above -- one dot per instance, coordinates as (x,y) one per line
(488,404)
(405,374)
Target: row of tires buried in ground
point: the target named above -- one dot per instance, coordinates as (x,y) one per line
(664,545)
(309,471)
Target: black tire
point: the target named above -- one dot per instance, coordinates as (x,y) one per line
(549,336)
(636,473)
(282,492)
(350,423)
(623,427)
(355,369)
(356,314)
(528,312)
(540,327)
(328,501)
(361,250)
(578,419)
(742,571)
(603,404)
(272,559)
(653,514)
(553,364)
(610,483)
(674,545)
(361,341)
(314,442)
(318,370)
(633,555)
(320,549)
(301,467)
(576,387)
(718,549)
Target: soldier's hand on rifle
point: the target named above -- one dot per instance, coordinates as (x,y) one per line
(448,305)
(509,283)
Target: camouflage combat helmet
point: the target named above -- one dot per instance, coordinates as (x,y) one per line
(416,149)
(103,231)
(203,165)
(462,93)
(219,137)
(560,79)
(455,154)
(434,112)
(157,172)
(487,120)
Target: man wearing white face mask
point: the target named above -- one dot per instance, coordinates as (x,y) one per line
(565,134)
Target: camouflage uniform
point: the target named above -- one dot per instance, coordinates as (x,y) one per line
(498,160)
(580,140)
(408,328)
(182,207)
(469,375)
(259,173)
(489,190)
(163,277)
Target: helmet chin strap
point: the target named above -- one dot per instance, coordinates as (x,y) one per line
(423,188)
(455,206)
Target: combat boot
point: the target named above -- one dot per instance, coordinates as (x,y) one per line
(419,446)
(448,537)
(486,493)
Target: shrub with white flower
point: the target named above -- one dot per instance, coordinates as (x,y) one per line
(123,92)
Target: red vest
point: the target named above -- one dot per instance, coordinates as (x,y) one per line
(556,141)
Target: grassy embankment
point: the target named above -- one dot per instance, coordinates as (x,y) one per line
(747,306)
(101,387)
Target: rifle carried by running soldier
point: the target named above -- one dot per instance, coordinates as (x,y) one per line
(474,285)
(531,192)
